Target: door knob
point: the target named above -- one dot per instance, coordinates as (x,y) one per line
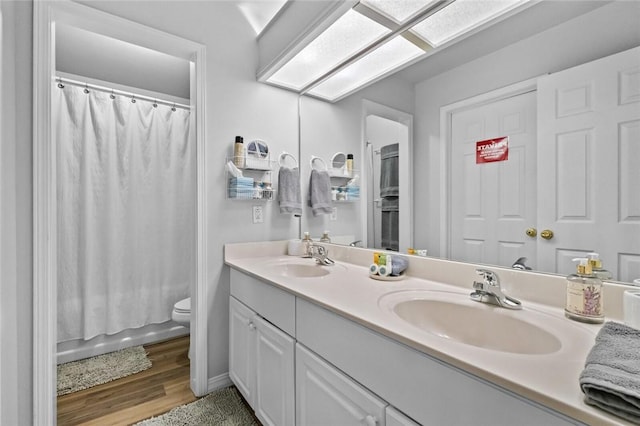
(531,232)
(547,234)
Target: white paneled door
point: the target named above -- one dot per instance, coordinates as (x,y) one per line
(492,204)
(589,164)
(573,172)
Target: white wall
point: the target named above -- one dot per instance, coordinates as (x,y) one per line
(602,32)
(236,105)
(15,215)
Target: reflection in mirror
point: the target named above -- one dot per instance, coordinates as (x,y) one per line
(482,64)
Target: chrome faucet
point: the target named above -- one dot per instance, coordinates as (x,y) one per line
(489,291)
(320,254)
(355,243)
(520,264)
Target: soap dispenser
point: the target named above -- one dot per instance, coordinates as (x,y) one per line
(584,294)
(596,267)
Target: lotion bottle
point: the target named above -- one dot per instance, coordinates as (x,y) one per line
(306,244)
(238,152)
(596,267)
(584,295)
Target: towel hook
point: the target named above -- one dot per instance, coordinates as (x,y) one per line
(284,156)
(315,159)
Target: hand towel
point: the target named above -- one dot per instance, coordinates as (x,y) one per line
(289,191)
(320,192)
(611,377)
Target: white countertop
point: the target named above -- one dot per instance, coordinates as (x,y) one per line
(549,379)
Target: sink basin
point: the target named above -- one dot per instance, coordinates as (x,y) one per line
(454,317)
(300,270)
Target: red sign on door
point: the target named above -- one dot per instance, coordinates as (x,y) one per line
(492,150)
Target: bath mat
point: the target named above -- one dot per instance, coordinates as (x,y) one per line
(85,373)
(223,407)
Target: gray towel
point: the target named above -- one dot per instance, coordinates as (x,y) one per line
(389,170)
(320,192)
(289,191)
(611,376)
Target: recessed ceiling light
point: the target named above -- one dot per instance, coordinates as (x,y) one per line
(398,10)
(371,66)
(460,17)
(351,33)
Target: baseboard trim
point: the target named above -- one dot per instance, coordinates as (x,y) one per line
(218,382)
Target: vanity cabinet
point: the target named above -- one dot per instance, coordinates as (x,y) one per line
(325,396)
(298,363)
(396,418)
(428,390)
(261,352)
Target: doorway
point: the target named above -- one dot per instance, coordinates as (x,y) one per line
(493,203)
(387,177)
(46,16)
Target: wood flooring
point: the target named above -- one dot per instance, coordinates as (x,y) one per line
(137,397)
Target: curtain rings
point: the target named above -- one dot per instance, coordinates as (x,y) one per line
(155,103)
(173,108)
(86,88)
(112,95)
(133,99)
(60,85)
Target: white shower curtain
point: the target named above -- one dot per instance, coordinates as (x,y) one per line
(126,212)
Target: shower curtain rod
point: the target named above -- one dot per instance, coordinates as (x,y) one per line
(133,96)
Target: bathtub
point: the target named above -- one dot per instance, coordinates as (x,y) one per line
(73,350)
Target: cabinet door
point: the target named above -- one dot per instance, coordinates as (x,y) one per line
(242,349)
(325,396)
(396,418)
(275,386)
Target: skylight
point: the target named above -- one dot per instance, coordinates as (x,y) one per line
(378,37)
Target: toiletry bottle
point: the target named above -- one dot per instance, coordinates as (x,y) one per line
(325,237)
(349,164)
(584,295)
(596,267)
(306,245)
(238,152)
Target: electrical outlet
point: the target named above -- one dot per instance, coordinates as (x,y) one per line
(334,214)
(258,214)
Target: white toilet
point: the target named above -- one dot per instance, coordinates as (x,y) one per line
(182,312)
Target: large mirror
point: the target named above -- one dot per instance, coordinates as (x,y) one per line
(435,100)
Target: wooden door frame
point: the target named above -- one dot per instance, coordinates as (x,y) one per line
(446,118)
(45,16)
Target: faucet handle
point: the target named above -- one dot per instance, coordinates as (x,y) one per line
(489,277)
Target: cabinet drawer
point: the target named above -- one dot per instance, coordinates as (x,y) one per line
(428,390)
(275,305)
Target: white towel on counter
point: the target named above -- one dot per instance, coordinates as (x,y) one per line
(320,192)
(289,191)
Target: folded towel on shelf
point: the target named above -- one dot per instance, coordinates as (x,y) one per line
(320,192)
(611,376)
(241,182)
(289,191)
